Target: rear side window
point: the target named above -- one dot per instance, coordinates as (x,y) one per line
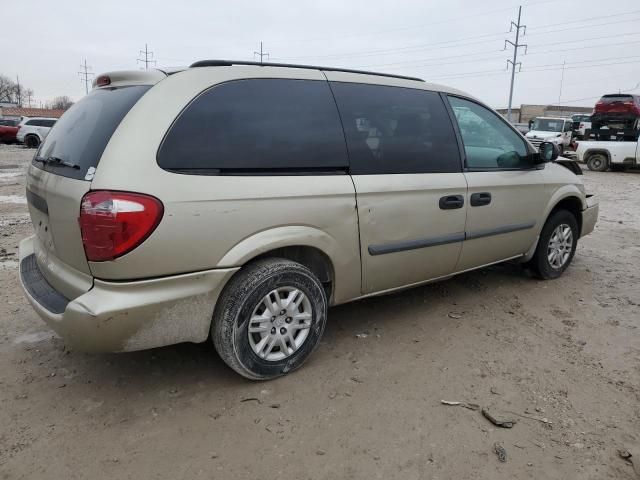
(396,130)
(33,123)
(257,125)
(48,123)
(80,136)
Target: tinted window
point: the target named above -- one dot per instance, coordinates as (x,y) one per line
(396,130)
(489,143)
(33,123)
(48,123)
(251,125)
(616,98)
(82,133)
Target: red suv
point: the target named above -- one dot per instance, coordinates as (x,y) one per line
(617,111)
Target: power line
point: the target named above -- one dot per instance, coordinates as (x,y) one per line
(582,20)
(395,29)
(85,75)
(585,26)
(261,54)
(389,51)
(147,54)
(486,73)
(515,62)
(412,63)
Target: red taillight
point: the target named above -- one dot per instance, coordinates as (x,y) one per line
(114,223)
(103,81)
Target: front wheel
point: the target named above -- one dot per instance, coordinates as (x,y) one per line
(269,318)
(556,245)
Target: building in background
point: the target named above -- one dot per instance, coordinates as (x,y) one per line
(529,112)
(16,113)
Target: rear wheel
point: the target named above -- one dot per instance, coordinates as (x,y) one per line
(269,318)
(31,141)
(598,162)
(556,246)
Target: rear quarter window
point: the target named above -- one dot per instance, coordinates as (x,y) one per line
(256,126)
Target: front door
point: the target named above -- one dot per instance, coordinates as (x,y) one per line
(506,194)
(410,189)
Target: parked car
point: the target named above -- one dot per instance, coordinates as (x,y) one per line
(32,131)
(260,195)
(580,124)
(617,111)
(8,130)
(551,129)
(603,155)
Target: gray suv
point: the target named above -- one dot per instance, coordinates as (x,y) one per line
(239,202)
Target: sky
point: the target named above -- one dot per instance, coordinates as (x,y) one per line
(459,43)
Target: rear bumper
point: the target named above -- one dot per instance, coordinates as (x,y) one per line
(126,316)
(590,215)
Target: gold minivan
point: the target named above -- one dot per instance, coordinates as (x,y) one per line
(238,201)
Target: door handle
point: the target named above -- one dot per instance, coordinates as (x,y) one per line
(451,202)
(479,199)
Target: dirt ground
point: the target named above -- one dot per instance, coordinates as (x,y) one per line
(561,357)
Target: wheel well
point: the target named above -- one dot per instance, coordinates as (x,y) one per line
(573,205)
(312,258)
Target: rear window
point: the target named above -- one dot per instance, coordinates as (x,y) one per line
(616,98)
(80,136)
(258,125)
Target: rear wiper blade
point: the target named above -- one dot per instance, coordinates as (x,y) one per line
(56,161)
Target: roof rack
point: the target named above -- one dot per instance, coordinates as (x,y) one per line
(228,63)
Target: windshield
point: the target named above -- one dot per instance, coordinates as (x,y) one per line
(547,125)
(82,133)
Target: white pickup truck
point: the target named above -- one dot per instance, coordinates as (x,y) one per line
(551,129)
(600,156)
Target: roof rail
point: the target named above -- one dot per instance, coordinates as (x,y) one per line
(228,63)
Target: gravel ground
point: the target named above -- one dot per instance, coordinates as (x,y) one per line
(562,358)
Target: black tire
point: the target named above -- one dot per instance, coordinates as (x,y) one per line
(598,162)
(243,293)
(31,141)
(540,264)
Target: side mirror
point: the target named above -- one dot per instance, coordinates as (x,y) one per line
(548,152)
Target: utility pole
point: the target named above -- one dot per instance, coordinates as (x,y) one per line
(260,54)
(18,92)
(147,54)
(515,62)
(29,95)
(85,75)
(561,82)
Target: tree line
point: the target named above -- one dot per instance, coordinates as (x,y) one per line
(12,92)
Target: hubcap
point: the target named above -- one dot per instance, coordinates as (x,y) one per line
(560,246)
(280,323)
